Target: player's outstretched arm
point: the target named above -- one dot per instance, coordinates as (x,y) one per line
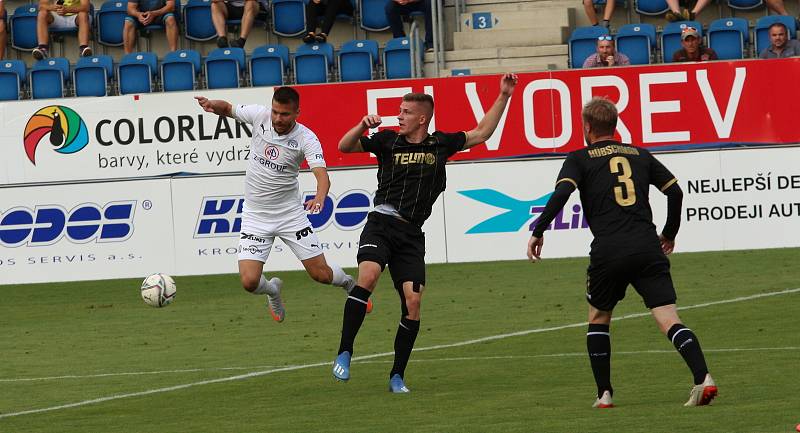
(316,204)
(350,142)
(216,106)
(488,124)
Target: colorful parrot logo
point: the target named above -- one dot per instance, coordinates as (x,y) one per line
(68,133)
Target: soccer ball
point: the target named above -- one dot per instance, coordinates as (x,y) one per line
(158,290)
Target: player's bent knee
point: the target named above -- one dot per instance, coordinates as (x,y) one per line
(250,283)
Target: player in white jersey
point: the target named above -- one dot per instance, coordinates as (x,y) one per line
(272,204)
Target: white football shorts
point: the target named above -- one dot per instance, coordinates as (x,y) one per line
(259,231)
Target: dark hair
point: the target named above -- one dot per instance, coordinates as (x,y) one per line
(785,30)
(286,95)
(419,97)
(601,115)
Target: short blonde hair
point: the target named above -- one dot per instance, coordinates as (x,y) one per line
(601,115)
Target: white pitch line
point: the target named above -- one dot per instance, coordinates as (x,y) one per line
(356,361)
(583,354)
(131,373)
(376,355)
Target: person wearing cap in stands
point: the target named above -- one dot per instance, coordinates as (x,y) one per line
(692,50)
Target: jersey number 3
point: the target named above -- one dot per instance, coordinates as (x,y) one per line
(625,193)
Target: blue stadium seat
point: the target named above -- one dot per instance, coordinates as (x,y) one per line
(312,63)
(49,78)
(744,4)
(583,43)
(357,60)
(373,15)
(197,20)
(136,73)
(671,37)
(179,70)
(729,37)
(23,27)
(651,7)
(268,65)
(637,41)
(762,29)
(92,75)
(13,76)
(224,68)
(110,20)
(288,17)
(397,58)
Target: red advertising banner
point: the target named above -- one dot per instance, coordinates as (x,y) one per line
(690,105)
(687,105)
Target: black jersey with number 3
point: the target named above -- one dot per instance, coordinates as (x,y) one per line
(614,181)
(412,175)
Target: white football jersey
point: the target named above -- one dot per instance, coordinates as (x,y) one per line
(271,179)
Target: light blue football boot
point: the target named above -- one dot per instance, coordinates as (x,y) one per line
(341,367)
(397,386)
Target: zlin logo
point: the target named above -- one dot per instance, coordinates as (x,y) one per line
(518,213)
(68,133)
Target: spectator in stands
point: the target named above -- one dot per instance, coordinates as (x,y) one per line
(588,6)
(328,9)
(692,50)
(606,55)
(776,6)
(396,8)
(62,15)
(3,33)
(143,13)
(781,46)
(223,10)
(676,13)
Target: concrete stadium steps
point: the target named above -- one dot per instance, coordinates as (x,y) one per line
(521,19)
(510,38)
(573,7)
(511,59)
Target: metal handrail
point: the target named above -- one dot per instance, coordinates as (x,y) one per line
(413,40)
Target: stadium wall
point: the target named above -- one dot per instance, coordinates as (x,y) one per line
(742,198)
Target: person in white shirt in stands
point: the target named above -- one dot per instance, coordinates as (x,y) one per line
(272,205)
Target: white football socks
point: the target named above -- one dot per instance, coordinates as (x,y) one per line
(339,277)
(265,287)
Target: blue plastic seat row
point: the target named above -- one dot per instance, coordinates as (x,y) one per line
(287,18)
(728,37)
(140,72)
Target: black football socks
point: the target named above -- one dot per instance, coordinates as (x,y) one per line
(598,344)
(403,343)
(689,347)
(355,308)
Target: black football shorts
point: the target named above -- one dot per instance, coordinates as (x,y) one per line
(387,240)
(648,273)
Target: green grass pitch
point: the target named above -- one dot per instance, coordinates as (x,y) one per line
(72,343)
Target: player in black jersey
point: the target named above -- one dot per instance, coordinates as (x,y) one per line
(614,181)
(411,175)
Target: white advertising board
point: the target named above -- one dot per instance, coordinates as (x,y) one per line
(207,221)
(123,136)
(733,199)
(85,231)
(738,199)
